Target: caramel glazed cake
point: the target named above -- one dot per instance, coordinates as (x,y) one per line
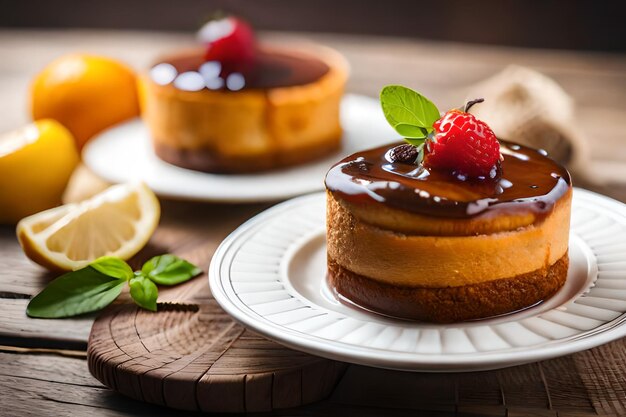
(285,112)
(412,243)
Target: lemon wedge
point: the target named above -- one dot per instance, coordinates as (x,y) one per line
(117,222)
(36,162)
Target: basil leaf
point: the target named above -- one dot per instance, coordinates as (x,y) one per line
(407,111)
(113,267)
(409,131)
(169,270)
(144,292)
(74,293)
(416,142)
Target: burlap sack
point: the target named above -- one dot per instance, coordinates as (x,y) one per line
(525,106)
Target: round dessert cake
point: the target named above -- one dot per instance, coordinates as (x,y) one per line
(419,243)
(282,112)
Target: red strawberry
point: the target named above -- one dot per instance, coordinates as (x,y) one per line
(231,42)
(463,145)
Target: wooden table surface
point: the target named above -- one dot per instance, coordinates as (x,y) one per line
(42,362)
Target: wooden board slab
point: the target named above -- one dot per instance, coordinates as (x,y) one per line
(192,356)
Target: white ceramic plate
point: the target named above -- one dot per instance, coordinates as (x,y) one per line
(124,153)
(270,275)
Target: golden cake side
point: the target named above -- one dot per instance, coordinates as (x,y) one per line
(248,130)
(421,260)
(446,278)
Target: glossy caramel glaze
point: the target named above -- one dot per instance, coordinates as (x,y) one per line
(273,68)
(528,180)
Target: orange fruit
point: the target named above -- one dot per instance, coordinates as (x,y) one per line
(85,93)
(36,162)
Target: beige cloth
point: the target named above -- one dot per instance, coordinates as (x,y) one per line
(525,106)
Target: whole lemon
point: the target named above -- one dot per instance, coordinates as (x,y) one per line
(36,162)
(85,93)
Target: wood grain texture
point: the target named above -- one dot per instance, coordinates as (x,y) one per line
(62,386)
(18,330)
(190,355)
(174,357)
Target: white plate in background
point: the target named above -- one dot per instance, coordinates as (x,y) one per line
(124,153)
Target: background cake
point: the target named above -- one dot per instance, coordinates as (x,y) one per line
(235,106)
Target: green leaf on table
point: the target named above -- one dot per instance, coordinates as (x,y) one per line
(74,293)
(144,292)
(169,270)
(97,285)
(113,267)
(408,112)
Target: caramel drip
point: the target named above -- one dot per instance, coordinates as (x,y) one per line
(272,69)
(529,180)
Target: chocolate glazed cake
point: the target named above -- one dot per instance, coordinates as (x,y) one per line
(408,241)
(283,112)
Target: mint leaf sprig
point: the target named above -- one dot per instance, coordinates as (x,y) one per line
(96,286)
(411,114)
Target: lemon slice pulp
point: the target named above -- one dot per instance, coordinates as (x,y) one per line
(117,222)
